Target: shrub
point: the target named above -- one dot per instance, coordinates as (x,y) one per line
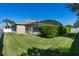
(61,30)
(6,27)
(45,52)
(68,29)
(48,31)
(70,35)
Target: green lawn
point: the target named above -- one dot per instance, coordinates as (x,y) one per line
(16,44)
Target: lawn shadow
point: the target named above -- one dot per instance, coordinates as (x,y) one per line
(45,52)
(1,45)
(74,50)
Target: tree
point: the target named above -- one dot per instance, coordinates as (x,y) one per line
(12,23)
(68,28)
(75,8)
(9,23)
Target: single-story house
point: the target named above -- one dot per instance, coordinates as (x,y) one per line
(32,26)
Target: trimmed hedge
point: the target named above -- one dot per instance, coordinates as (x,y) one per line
(50,31)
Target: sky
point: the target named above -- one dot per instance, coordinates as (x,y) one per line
(37,11)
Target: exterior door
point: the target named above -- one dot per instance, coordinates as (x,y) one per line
(30,29)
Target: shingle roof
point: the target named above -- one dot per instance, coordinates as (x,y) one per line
(29,21)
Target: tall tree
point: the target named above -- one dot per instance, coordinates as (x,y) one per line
(6,21)
(75,8)
(74,49)
(9,23)
(12,23)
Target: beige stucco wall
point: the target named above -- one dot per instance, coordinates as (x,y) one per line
(20,29)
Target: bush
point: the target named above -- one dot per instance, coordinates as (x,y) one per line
(48,31)
(61,30)
(6,27)
(46,52)
(68,29)
(70,35)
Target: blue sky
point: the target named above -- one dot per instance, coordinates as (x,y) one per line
(37,11)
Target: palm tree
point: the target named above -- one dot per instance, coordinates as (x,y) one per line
(12,23)
(8,23)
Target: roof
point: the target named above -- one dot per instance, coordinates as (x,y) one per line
(28,21)
(54,22)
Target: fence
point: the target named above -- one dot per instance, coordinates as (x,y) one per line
(7,30)
(74,30)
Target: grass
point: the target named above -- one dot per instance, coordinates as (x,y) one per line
(16,44)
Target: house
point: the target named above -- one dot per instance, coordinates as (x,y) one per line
(32,26)
(75,27)
(76,24)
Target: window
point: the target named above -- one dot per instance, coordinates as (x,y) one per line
(35,29)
